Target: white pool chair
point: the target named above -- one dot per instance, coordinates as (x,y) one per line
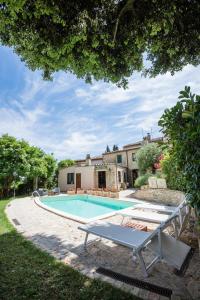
(140,215)
(156,207)
(182,212)
(163,246)
(56,190)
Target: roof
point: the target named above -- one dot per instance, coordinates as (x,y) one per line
(138,144)
(135,145)
(158,139)
(92,158)
(97,157)
(111,152)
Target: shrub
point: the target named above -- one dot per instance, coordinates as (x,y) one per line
(174,176)
(159,174)
(142,180)
(181,124)
(147,156)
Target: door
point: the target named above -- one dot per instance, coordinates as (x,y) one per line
(102,179)
(134,176)
(78,181)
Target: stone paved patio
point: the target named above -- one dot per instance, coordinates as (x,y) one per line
(61,238)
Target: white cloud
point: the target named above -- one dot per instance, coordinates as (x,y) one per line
(153,96)
(33,85)
(21,124)
(80,92)
(72,119)
(153,92)
(71,136)
(78,144)
(36,86)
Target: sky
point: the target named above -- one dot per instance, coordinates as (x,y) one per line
(71,118)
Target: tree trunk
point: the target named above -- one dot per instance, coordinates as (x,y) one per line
(35,183)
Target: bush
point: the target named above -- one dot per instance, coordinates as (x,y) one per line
(181,125)
(174,177)
(159,174)
(142,180)
(147,156)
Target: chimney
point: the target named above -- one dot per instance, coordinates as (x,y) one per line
(88,160)
(148,137)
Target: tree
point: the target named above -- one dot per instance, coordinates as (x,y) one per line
(38,166)
(13,162)
(115,148)
(20,163)
(65,163)
(147,156)
(107,149)
(102,39)
(181,124)
(174,176)
(49,179)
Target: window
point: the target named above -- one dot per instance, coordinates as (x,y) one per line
(119,159)
(70,178)
(119,176)
(133,157)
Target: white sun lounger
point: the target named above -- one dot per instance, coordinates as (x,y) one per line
(161,208)
(140,215)
(163,246)
(181,211)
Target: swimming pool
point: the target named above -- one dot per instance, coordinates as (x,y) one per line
(83,208)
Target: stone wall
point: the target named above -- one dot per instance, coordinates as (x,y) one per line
(164,196)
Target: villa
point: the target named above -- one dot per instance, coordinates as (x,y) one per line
(112,170)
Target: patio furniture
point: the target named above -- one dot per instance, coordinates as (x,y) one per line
(99,192)
(35,194)
(80,191)
(89,192)
(140,215)
(51,193)
(135,226)
(164,247)
(71,192)
(105,193)
(161,208)
(182,212)
(56,190)
(42,192)
(114,194)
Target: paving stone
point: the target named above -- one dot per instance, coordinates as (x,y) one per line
(61,238)
(143,294)
(164,298)
(194,289)
(153,296)
(176,297)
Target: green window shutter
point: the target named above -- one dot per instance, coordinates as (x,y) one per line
(119,159)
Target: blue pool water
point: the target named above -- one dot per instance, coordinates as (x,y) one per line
(85,206)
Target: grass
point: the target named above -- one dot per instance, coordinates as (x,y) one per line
(5,226)
(29,273)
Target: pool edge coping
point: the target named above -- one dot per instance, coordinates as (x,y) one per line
(75,218)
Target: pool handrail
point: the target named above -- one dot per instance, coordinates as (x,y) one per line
(38,195)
